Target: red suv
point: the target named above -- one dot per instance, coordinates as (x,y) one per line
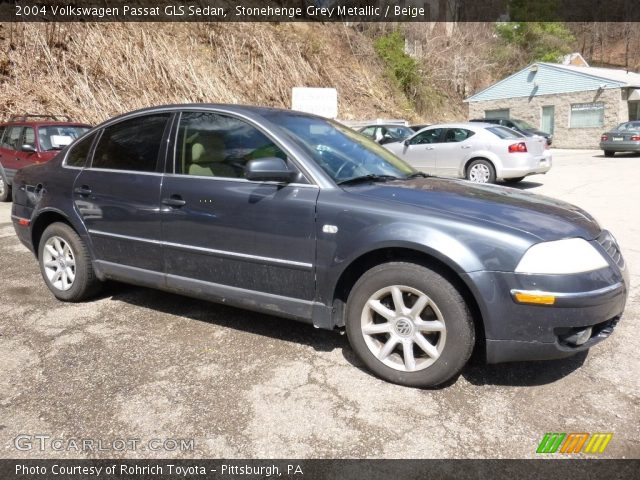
(29,139)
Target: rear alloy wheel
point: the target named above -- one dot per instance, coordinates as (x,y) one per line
(609,153)
(65,264)
(5,190)
(481,171)
(514,180)
(409,325)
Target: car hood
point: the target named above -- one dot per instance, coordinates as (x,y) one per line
(544,217)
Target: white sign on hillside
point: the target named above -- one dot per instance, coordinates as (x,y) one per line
(319,101)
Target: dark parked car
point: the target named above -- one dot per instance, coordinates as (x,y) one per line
(30,139)
(519,126)
(624,138)
(383,134)
(298,216)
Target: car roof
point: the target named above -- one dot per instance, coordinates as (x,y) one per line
(469,125)
(384,125)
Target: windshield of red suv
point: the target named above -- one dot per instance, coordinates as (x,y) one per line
(56,137)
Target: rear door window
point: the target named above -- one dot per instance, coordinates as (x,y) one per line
(457,135)
(131,145)
(12,138)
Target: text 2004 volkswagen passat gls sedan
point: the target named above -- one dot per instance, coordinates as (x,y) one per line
(298,216)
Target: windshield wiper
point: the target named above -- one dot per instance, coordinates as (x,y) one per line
(368,178)
(417,174)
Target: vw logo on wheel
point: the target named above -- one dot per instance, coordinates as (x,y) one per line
(404,327)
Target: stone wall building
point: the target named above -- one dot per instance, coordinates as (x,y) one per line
(574,103)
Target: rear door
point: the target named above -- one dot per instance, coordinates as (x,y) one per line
(454,151)
(227,236)
(118,197)
(9,151)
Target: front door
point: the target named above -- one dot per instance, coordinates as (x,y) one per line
(226,236)
(548,119)
(118,197)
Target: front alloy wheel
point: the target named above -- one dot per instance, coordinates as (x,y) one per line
(403,328)
(409,324)
(5,190)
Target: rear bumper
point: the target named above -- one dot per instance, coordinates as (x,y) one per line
(587,308)
(526,166)
(620,146)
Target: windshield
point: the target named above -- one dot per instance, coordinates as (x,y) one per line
(341,152)
(522,125)
(56,137)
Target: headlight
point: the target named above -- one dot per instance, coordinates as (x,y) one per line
(572,255)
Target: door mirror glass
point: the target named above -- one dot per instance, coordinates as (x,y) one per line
(269,169)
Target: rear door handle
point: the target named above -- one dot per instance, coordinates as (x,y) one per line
(174,201)
(83,190)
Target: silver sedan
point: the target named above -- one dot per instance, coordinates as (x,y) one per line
(480,152)
(624,138)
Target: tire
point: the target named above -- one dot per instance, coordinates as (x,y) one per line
(609,153)
(481,171)
(62,250)
(514,180)
(5,190)
(448,328)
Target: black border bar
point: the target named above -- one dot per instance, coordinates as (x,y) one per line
(166,469)
(319,10)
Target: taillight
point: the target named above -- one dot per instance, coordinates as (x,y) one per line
(604,138)
(635,138)
(518,148)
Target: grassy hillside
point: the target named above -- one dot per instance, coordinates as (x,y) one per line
(95,71)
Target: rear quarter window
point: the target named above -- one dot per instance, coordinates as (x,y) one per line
(78,154)
(504,133)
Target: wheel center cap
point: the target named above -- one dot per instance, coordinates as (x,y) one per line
(62,264)
(404,327)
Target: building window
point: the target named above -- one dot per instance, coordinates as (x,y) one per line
(585,115)
(501,113)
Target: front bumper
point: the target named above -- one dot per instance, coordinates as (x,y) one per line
(587,307)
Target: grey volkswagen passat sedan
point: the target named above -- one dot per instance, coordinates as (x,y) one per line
(295,215)
(624,138)
(480,152)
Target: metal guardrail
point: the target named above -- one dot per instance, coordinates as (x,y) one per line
(25,116)
(377,121)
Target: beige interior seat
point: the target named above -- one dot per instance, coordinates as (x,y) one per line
(207,158)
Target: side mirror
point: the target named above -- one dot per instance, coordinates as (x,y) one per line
(269,169)
(406,143)
(28,148)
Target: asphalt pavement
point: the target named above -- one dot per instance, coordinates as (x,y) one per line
(176,377)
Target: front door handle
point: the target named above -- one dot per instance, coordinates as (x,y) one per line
(83,190)
(174,201)
(466,146)
(429,148)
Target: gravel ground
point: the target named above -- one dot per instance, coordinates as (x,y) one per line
(137,364)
